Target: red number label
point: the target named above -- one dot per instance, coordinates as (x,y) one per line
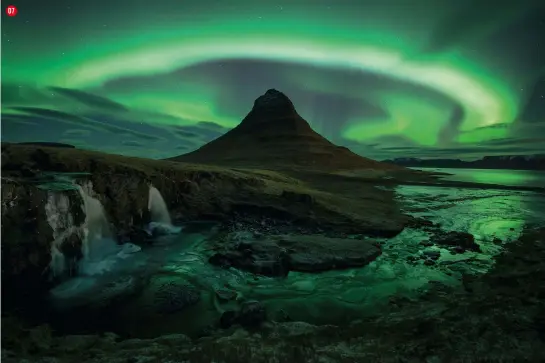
(11,10)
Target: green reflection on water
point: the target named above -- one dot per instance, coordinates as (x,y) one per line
(494,176)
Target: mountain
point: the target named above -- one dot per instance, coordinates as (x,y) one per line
(274,135)
(513,162)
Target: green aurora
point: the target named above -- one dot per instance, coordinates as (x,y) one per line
(153,61)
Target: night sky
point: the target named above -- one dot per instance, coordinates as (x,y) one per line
(387,78)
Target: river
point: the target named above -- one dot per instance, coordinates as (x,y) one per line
(334,296)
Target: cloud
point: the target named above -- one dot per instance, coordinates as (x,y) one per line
(98,122)
(132,143)
(54,114)
(186,134)
(44,114)
(473,20)
(90,99)
(8,118)
(76,132)
(19,95)
(205,131)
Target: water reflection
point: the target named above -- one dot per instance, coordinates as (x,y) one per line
(530,178)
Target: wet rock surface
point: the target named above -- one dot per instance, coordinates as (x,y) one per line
(172,297)
(446,324)
(277,255)
(264,258)
(462,240)
(251,314)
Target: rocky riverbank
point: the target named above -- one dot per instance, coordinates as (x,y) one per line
(285,247)
(502,321)
(192,192)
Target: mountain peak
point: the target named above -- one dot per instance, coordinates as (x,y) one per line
(273,135)
(273,103)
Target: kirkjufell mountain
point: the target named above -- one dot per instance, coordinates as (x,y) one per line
(273,134)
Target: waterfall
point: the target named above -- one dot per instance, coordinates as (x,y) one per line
(160,217)
(98,244)
(157,207)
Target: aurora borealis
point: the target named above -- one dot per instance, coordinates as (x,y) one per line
(395,78)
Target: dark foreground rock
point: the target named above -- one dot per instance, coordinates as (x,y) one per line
(501,320)
(463,240)
(277,255)
(250,315)
(263,257)
(172,297)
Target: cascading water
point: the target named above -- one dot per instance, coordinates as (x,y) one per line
(98,245)
(157,207)
(103,259)
(160,216)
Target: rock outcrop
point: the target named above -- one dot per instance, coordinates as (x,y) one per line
(277,255)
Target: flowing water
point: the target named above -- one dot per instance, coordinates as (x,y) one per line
(99,244)
(175,262)
(161,222)
(102,258)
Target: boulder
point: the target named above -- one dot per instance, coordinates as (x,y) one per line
(318,253)
(278,255)
(263,258)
